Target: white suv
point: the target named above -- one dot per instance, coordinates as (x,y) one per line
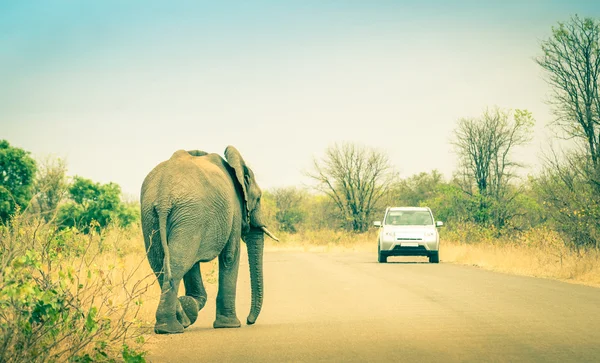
(408,231)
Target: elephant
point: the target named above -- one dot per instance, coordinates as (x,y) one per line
(194,207)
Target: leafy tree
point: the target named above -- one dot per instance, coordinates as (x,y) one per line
(94,202)
(128,214)
(17,173)
(417,189)
(448,202)
(355,177)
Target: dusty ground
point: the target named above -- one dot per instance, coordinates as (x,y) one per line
(344,306)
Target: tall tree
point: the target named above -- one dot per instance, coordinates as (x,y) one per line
(484,146)
(355,177)
(570,185)
(571,59)
(17,173)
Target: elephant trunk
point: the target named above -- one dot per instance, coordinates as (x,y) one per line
(255,241)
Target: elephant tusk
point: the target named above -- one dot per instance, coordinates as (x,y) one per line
(264,229)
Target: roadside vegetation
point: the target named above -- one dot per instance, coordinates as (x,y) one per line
(497,215)
(75,285)
(73,277)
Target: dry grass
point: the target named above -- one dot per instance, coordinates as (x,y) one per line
(559,264)
(323,241)
(539,253)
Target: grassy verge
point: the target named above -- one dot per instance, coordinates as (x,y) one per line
(538,253)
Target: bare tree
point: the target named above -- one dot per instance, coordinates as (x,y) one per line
(570,185)
(571,59)
(355,177)
(484,147)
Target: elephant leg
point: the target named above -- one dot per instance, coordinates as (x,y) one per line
(168,313)
(195,294)
(180,311)
(229,262)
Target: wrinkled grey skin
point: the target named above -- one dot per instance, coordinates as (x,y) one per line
(196,206)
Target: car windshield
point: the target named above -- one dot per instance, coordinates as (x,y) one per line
(408,218)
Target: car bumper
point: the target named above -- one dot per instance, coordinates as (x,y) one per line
(409,248)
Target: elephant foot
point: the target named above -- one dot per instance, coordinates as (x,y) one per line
(170,327)
(190,308)
(182,317)
(226,322)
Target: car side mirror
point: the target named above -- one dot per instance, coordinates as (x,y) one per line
(377,223)
(439,223)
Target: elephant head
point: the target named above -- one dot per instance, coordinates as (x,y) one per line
(253,226)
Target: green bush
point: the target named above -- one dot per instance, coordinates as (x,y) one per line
(59,303)
(94,202)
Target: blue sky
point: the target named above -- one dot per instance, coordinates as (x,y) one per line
(116,87)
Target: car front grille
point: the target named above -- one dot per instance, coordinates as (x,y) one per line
(408,251)
(409,239)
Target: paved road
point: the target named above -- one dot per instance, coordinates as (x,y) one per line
(345,307)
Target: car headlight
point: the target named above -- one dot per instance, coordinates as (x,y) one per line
(429,234)
(388,234)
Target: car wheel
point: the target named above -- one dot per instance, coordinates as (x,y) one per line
(381,257)
(434,257)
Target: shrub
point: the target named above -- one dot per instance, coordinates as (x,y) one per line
(572,204)
(62,300)
(97,202)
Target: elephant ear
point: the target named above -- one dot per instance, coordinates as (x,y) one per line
(235,160)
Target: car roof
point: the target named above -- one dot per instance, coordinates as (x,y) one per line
(410,208)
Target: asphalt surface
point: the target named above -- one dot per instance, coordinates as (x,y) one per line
(346,307)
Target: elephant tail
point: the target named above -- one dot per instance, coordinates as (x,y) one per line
(162,225)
